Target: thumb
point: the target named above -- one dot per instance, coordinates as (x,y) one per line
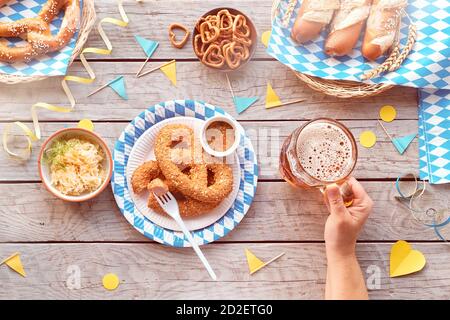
(335,201)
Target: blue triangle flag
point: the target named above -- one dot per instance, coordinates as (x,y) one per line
(243,103)
(118,85)
(402,143)
(149,46)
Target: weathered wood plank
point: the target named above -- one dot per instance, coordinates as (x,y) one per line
(196,82)
(380,162)
(146,272)
(151,19)
(28,213)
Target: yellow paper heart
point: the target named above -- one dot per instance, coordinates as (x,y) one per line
(404,260)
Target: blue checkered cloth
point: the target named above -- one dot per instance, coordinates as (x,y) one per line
(122,150)
(434,135)
(427,66)
(52,64)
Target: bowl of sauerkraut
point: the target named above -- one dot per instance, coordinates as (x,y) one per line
(75,164)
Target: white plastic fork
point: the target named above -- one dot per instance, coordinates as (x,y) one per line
(170,205)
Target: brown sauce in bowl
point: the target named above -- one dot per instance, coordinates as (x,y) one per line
(220,136)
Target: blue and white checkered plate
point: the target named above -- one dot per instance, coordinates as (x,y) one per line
(124,198)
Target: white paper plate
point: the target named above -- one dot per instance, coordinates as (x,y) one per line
(143,151)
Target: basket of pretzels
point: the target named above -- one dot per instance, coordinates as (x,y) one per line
(39,40)
(378,20)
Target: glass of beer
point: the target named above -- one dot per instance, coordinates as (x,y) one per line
(321,152)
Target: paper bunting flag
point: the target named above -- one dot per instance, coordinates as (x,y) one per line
(15,264)
(272,99)
(169,69)
(118,85)
(266,37)
(243,103)
(255,264)
(402,143)
(404,260)
(149,47)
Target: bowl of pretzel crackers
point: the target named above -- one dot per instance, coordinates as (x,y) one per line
(224,39)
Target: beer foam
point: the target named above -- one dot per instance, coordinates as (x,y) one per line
(325,152)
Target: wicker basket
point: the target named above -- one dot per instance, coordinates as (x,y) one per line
(86,25)
(336,88)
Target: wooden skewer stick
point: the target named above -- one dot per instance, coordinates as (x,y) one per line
(269,262)
(291,102)
(156,68)
(142,67)
(230,86)
(98,89)
(385,131)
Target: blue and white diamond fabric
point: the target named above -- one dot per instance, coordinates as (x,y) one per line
(124,145)
(427,66)
(52,64)
(434,135)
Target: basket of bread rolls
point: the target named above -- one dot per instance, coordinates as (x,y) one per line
(344,21)
(85,23)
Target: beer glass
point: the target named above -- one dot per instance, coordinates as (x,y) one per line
(321,152)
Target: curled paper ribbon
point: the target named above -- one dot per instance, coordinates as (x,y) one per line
(35,135)
(427,215)
(121,23)
(29,134)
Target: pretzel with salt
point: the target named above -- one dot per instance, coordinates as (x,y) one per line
(36,31)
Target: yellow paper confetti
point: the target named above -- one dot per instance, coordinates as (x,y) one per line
(36,135)
(367,139)
(388,113)
(15,263)
(272,99)
(110,281)
(86,124)
(265,37)
(404,260)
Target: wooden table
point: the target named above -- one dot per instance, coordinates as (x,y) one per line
(54,236)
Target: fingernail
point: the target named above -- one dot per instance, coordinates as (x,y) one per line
(333,191)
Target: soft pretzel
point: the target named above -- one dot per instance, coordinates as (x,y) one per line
(36,31)
(39,24)
(222,175)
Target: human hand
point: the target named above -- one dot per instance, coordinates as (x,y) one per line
(344,224)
